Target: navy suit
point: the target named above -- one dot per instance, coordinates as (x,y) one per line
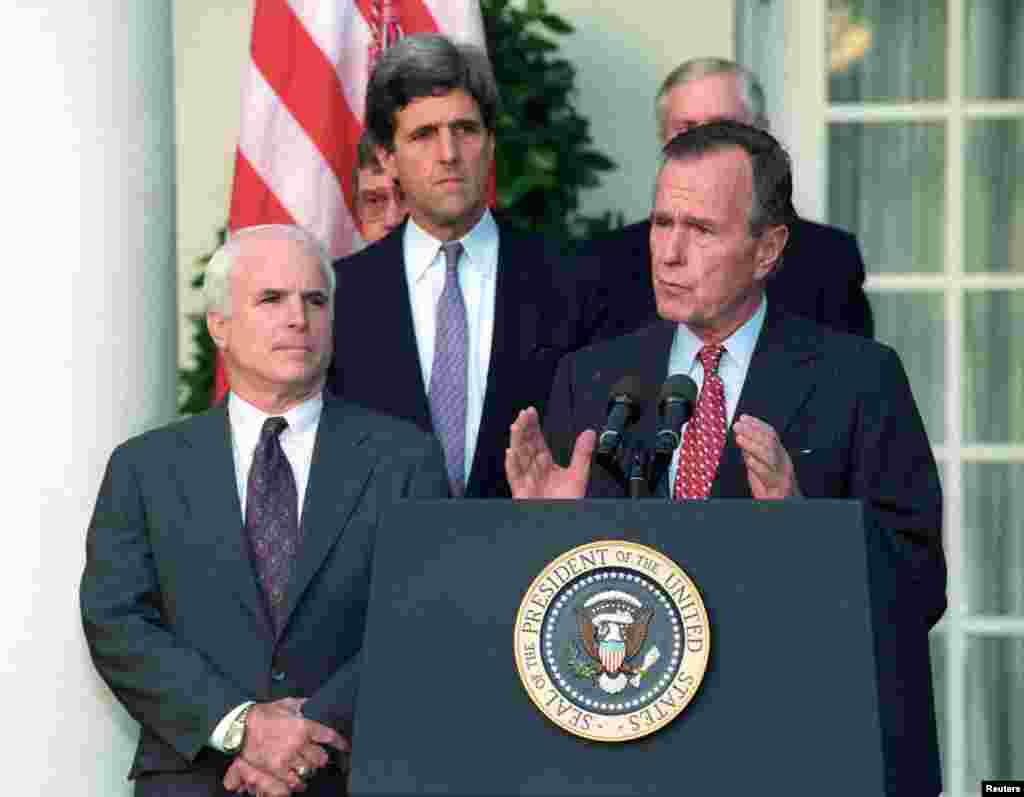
(174,615)
(821,277)
(842,406)
(545,307)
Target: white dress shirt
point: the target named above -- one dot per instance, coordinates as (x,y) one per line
(478,278)
(297,442)
(739,348)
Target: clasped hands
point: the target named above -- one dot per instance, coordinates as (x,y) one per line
(282,750)
(533,473)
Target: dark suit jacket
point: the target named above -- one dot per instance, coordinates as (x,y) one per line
(842,406)
(545,306)
(172,610)
(821,278)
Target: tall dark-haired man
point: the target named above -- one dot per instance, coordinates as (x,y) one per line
(452,321)
(787,409)
(228,563)
(821,273)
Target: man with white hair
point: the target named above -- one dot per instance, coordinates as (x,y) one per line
(228,561)
(820,275)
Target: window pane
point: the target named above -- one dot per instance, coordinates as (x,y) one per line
(993,366)
(994,49)
(881,51)
(994,708)
(993,544)
(913,324)
(885,183)
(994,196)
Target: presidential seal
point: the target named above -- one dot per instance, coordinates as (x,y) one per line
(612,640)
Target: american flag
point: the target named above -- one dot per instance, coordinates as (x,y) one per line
(303,101)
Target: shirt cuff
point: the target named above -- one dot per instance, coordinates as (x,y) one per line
(217,737)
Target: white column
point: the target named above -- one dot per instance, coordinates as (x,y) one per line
(88,333)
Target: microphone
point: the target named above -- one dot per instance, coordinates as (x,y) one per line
(675,406)
(624,408)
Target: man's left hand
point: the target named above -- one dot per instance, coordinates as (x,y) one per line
(769,467)
(244,778)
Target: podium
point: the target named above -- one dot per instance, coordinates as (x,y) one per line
(789,703)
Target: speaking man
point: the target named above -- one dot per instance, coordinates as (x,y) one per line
(228,557)
(452,321)
(787,409)
(821,274)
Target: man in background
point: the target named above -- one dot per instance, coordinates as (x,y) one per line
(452,321)
(821,274)
(228,558)
(379,201)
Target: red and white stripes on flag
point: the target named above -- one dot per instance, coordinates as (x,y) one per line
(303,101)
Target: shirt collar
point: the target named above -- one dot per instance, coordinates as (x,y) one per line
(739,345)
(479,248)
(247,420)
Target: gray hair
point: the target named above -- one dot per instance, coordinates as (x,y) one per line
(427,65)
(696,68)
(217,278)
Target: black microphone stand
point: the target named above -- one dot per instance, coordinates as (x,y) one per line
(638,472)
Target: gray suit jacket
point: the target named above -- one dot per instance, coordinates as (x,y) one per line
(172,610)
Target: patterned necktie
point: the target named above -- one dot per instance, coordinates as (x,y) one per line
(271,516)
(704,438)
(448,374)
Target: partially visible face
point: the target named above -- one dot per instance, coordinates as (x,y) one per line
(708,270)
(277,340)
(441,157)
(380,204)
(715,98)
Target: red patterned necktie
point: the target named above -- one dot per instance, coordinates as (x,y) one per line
(704,438)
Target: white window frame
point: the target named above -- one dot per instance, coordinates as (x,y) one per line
(800,115)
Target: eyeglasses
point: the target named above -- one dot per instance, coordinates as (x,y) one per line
(374,203)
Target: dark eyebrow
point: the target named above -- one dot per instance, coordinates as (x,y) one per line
(431,128)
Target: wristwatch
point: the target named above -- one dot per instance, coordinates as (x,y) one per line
(235,737)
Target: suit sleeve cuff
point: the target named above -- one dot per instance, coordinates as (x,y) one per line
(217,737)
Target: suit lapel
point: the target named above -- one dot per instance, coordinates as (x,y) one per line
(393,335)
(516,319)
(779,382)
(211,493)
(338,474)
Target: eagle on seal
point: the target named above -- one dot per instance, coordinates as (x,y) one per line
(613,627)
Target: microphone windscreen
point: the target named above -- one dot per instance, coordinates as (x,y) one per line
(629,387)
(678,387)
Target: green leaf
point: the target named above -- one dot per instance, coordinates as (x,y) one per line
(557,24)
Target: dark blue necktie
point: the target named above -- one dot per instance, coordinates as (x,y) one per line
(272,517)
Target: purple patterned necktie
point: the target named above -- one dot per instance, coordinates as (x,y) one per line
(271,516)
(448,374)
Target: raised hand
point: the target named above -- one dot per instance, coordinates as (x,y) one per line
(531,470)
(769,467)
